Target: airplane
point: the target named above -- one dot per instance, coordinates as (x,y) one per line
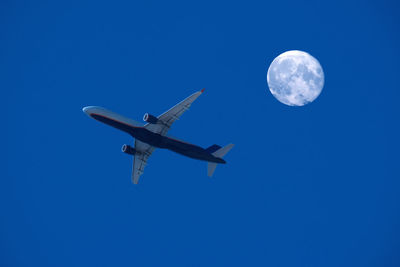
(154,135)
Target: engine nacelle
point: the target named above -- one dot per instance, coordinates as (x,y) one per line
(150,118)
(128,150)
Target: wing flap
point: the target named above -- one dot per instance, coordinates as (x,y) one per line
(143,152)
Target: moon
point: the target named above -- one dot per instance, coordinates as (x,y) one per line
(295,78)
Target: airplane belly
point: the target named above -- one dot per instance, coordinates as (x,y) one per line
(188,150)
(148,137)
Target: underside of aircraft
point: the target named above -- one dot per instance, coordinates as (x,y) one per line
(154,135)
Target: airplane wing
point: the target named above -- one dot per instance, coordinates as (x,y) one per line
(167,118)
(143,152)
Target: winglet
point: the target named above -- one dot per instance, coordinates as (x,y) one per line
(202,90)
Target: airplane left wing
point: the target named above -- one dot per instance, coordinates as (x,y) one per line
(170,116)
(143,152)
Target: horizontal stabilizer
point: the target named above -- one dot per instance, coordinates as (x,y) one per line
(213,148)
(211,168)
(222,151)
(219,153)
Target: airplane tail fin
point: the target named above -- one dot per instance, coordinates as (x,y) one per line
(213,148)
(219,154)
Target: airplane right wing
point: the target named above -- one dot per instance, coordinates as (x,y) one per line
(143,152)
(170,116)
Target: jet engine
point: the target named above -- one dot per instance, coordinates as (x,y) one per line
(128,150)
(150,118)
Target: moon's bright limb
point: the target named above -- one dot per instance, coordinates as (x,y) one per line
(295,78)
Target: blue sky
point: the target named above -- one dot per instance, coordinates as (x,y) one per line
(311,186)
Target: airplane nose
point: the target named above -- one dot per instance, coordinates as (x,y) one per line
(88,110)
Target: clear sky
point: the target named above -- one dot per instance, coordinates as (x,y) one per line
(304,186)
